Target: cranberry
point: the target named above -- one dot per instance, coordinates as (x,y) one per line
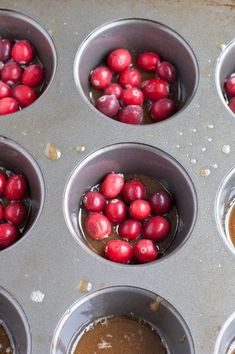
(166,71)
(156,228)
(94,201)
(133,190)
(145,251)
(148,61)
(112,185)
(3,181)
(119,59)
(116,211)
(108,105)
(22,52)
(8,235)
(155,89)
(5,90)
(15,213)
(119,251)
(33,75)
(8,105)
(132,96)
(101,77)
(16,187)
(160,202)
(132,114)
(140,209)
(230,86)
(162,109)
(11,73)
(97,226)
(232,104)
(5,50)
(114,89)
(24,95)
(1,212)
(130,77)
(130,229)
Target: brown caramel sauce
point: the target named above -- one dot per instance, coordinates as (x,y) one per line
(5,342)
(231,226)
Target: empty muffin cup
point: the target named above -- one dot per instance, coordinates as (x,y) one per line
(225,343)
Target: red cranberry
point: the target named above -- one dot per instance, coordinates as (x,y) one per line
(119,251)
(116,211)
(24,95)
(231,104)
(230,86)
(132,96)
(5,50)
(132,114)
(162,109)
(22,52)
(166,71)
(148,61)
(16,187)
(130,77)
(1,212)
(114,89)
(133,190)
(130,229)
(11,73)
(140,209)
(101,77)
(33,75)
(15,213)
(97,226)
(119,59)
(94,201)
(112,185)
(8,235)
(156,228)
(155,89)
(160,202)
(108,105)
(8,105)
(3,181)
(5,90)
(145,251)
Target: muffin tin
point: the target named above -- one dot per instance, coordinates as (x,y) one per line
(47,270)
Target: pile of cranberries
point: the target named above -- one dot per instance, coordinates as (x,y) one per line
(21,75)
(14,207)
(124,91)
(138,218)
(229,88)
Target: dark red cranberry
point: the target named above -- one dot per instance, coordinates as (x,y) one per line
(162,109)
(15,213)
(3,181)
(112,185)
(11,73)
(119,251)
(156,228)
(33,75)
(130,229)
(160,202)
(101,77)
(119,59)
(230,86)
(145,251)
(1,212)
(114,89)
(94,201)
(140,209)
(8,105)
(133,190)
(108,105)
(116,211)
(5,90)
(5,49)
(16,187)
(22,52)
(148,61)
(97,226)
(155,89)
(132,114)
(132,96)
(231,104)
(130,77)
(8,235)
(166,71)
(24,95)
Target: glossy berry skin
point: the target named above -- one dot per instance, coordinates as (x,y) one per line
(156,228)
(16,187)
(119,251)
(155,89)
(160,202)
(148,61)
(3,181)
(5,49)
(230,86)
(145,251)
(114,89)
(101,77)
(132,114)
(166,71)
(108,105)
(97,226)
(130,229)
(116,211)
(8,235)
(140,209)
(112,185)
(94,201)
(24,95)
(119,59)
(33,75)
(15,213)
(11,73)
(8,105)
(130,77)
(162,109)
(133,190)
(132,96)
(5,90)
(231,104)
(1,212)
(22,52)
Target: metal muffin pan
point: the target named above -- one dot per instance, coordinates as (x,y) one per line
(44,270)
